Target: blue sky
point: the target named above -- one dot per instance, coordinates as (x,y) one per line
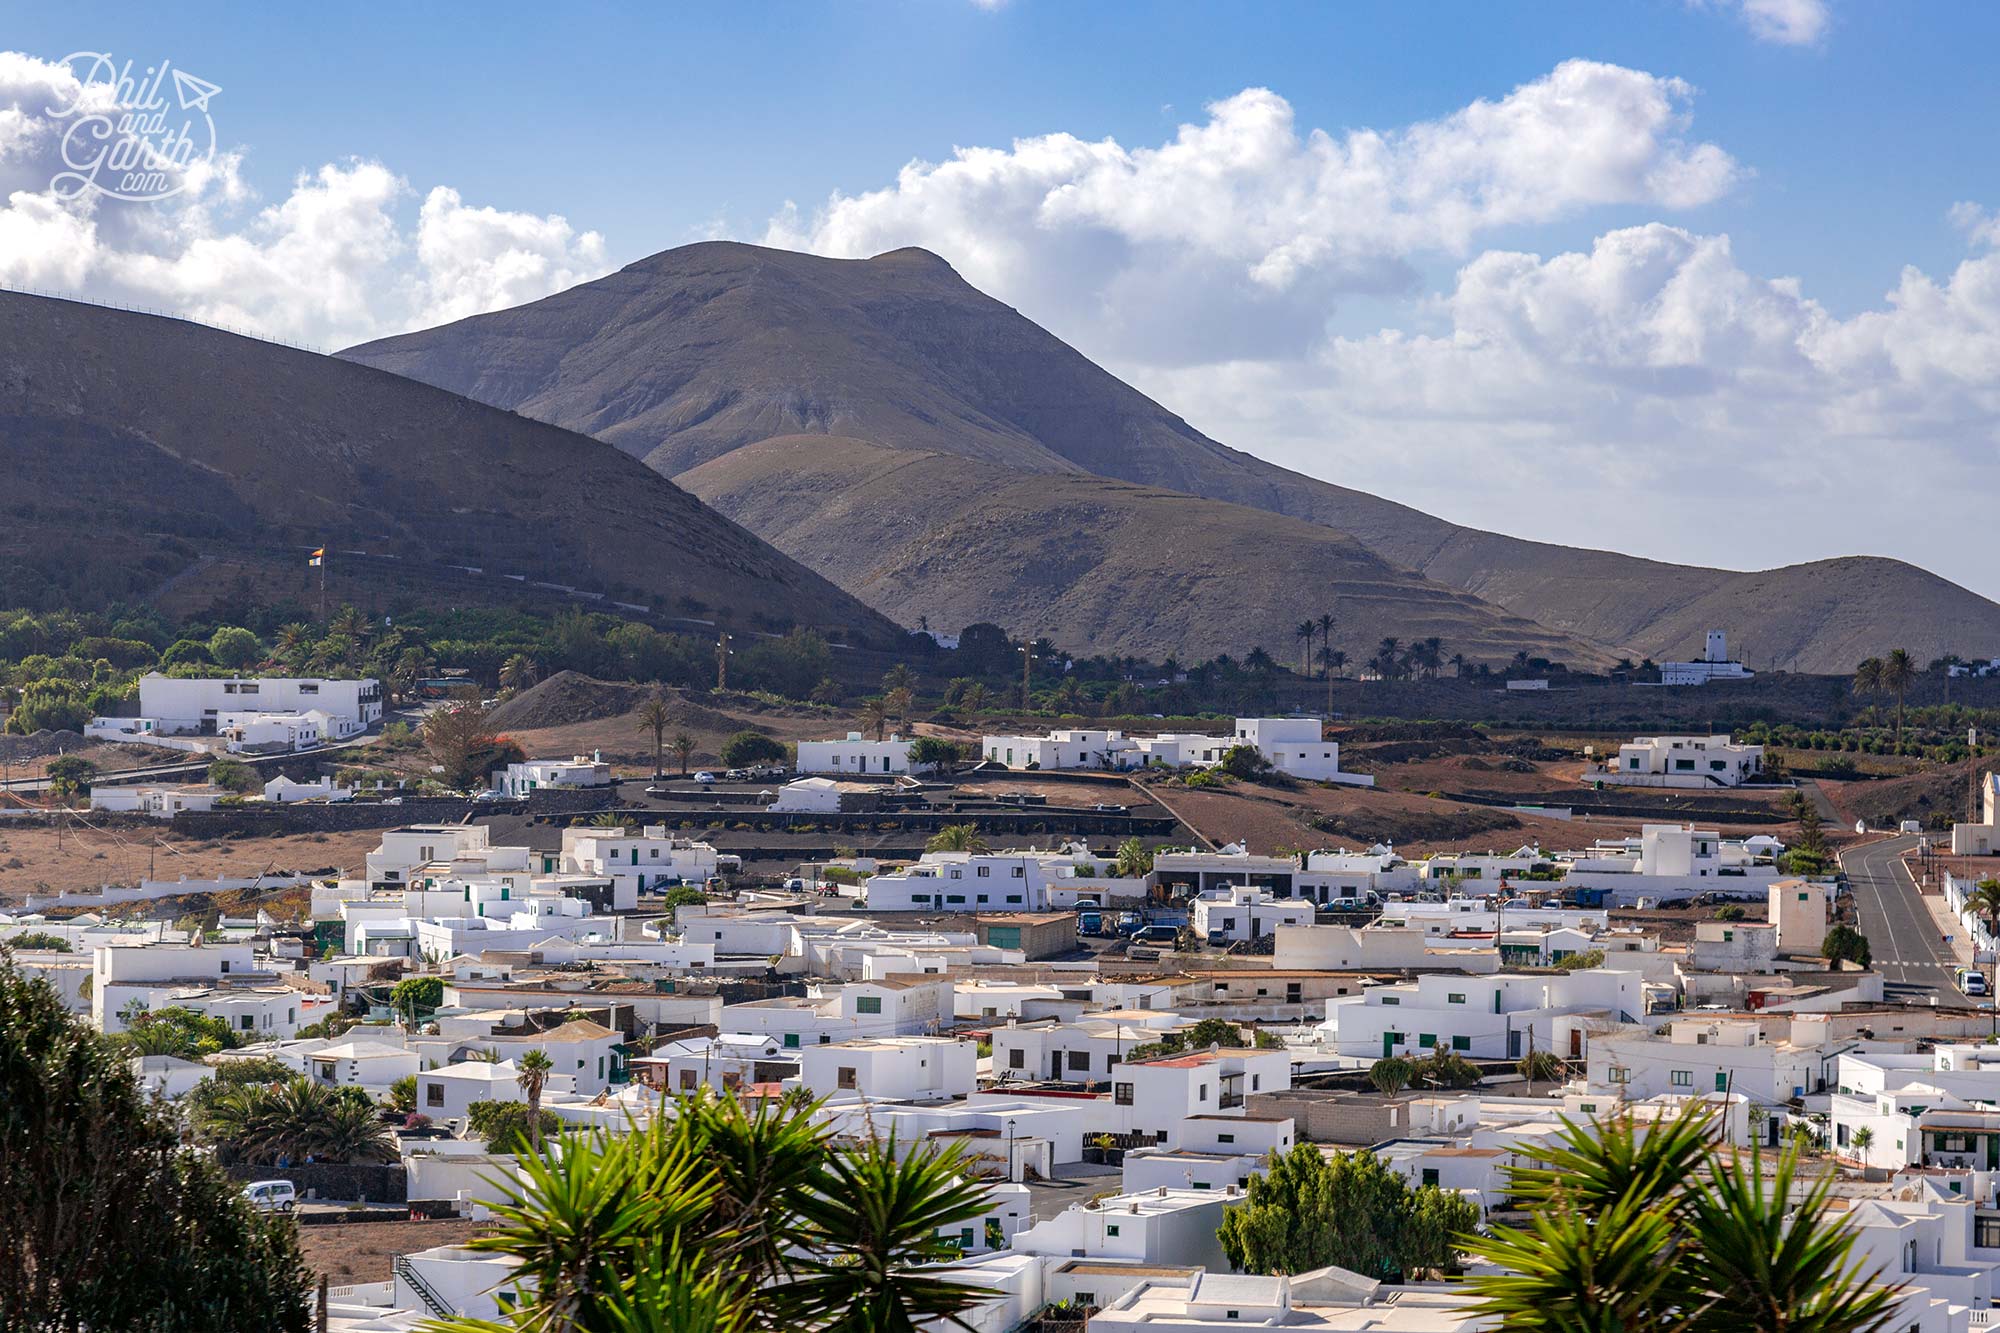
(1612,349)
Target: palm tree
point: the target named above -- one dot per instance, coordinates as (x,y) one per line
(1899,672)
(1863,1138)
(1133,860)
(295,1119)
(654,717)
(349,624)
(957,838)
(1388,659)
(899,677)
(1868,676)
(519,672)
(1458,666)
(1326,623)
(1336,661)
(1663,1228)
(977,696)
(683,747)
(875,717)
(535,1068)
(291,641)
(1305,630)
(607,820)
(899,702)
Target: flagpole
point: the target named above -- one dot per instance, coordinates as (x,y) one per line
(322,585)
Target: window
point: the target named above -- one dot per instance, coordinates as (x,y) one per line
(1020,872)
(1111,1230)
(1121,1094)
(1202,1093)
(791,1041)
(1430,1175)
(1461,1043)
(1080,1060)
(1620,1074)
(957,873)
(1728,935)
(1427,1039)
(1392,999)
(1017,1058)
(985,871)
(844,1077)
(433,1094)
(1225,1138)
(1681,1078)
(867,1004)
(1986,1231)
(1456,997)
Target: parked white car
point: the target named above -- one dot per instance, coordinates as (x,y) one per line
(272,1196)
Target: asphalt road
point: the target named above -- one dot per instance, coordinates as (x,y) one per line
(1909,953)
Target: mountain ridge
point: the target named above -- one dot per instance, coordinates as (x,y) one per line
(693,352)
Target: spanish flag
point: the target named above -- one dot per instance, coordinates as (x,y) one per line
(318,557)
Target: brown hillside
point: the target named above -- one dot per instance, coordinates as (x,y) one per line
(1100,566)
(696,351)
(133,446)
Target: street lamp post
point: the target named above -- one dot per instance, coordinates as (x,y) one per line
(1012,1169)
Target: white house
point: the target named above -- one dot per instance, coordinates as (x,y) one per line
(1030,881)
(855,756)
(371,1065)
(257,732)
(1293,745)
(159,802)
(1215,1152)
(1297,746)
(1681,761)
(1720,1054)
(534,775)
(448,1092)
(1158,1226)
(168,1076)
(1325,1300)
(1088,1050)
(192,704)
(651,858)
(282,790)
(892,1068)
(913,1006)
(1983,838)
(1715,664)
(1493,1017)
(1226,916)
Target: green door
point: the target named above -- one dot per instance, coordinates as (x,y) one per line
(1390,1041)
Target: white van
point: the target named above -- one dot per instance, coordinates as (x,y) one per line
(272,1196)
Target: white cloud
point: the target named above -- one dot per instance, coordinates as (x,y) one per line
(1245,207)
(1787,22)
(337,260)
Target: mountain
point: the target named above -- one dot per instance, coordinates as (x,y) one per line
(1097,565)
(145,456)
(687,355)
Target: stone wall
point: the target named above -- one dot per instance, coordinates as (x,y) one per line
(341,1184)
(314,817)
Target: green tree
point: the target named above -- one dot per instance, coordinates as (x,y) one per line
(1660,1228)
(729,1217)
(1846,944)
(233,775)
(403,1093)
(1311,1208)
(414,995)
(1539,1066)
(518,672)
(1581,960)
(685,895)
(1215,1032)
(956,838)
(49,705)
(505,1126)
(1246,763)
(1444,1069)
(535,1068)
(181,1033)
(235,647)
(1390,1075)
(106,1222)
(69,776)
(1868,676)
(38,939)
(683,747)
(746,748)
(933,752)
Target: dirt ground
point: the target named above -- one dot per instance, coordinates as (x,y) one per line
(363,1251)
(110,759)
(1355,817)
(90,851)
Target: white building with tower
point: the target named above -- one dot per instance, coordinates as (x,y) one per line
(1715,664)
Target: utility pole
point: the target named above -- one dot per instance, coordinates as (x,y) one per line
(1027,670)
(722,662)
